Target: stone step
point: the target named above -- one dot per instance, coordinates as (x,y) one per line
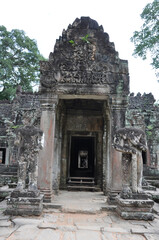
(52,206)
(83,188)
(154,183)
(151,177)
(8,176)
(80,182)
(149,187)
(81,179)
(87,178)
(9,173)
(47,195)
(8,168)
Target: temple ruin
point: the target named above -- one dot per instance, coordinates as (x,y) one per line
(83,99)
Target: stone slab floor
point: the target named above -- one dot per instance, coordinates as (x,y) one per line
(89,222)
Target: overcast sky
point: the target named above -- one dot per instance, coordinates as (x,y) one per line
(44,21)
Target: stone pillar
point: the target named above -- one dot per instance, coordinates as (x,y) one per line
(118,108)
(105,158)
(46,156)
(57,150)
(106,149)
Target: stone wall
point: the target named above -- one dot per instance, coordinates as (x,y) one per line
(25,105)
(143,113)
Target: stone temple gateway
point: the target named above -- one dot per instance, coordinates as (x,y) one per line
(84,89)
(83,100)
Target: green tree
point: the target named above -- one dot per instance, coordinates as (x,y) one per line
(147,39)
(19,62)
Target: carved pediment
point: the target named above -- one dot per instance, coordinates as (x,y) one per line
(83,55)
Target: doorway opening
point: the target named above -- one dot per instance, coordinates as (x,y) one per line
(82,157)
(144,157)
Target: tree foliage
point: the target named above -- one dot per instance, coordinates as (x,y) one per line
(19,62)
(147,39)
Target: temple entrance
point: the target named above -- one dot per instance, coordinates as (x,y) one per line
(82,156)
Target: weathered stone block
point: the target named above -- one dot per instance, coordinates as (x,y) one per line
(136,216)
(24,205)
(25,193)
(135,203)
(135,209)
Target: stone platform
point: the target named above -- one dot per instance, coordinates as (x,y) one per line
(57,225)
(78,202)
(24,203)
(137,208)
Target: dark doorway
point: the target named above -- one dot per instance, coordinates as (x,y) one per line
(82,157)
(144,157)
(2,155)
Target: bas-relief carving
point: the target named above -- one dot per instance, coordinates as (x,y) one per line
(78,76)
(92,62)
(131,142)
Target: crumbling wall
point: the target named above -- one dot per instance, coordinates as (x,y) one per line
(143,113)
(6,115)
(13,113)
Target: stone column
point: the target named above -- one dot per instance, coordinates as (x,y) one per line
(118,108)
(106,149)
(46,156)
(105,180)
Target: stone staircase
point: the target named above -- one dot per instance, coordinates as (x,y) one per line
(153,180)
(48,195)
(151,175)
(82,184)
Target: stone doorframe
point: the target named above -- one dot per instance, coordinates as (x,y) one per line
(51,157)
